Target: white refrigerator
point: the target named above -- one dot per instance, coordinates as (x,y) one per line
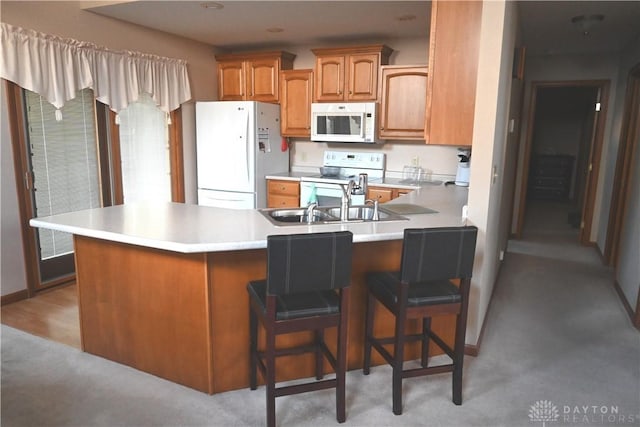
(237,144)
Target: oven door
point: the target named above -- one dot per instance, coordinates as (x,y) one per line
(324,194)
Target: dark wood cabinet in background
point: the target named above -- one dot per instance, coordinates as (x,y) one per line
(550,177)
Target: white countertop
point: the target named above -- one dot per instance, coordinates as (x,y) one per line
(190,228)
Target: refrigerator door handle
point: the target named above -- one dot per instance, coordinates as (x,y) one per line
(247,148)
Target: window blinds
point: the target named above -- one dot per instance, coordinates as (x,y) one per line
(64,162)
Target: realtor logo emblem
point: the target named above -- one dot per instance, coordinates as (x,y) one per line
(543,411)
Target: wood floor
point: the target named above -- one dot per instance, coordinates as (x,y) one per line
(52,315)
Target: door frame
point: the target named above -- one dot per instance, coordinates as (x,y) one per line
(595,152)
(629,135)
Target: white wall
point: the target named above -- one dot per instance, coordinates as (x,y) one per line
(12,268)
(493,94)
(628,268)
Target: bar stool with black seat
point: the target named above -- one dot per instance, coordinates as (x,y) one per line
(306,289)
(431,259)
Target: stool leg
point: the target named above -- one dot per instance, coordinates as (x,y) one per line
(368,333)
(253,349)
(319,339)
(458,350)
(270,362)
(341,365)
(458,359)
(398,358)
(426,327)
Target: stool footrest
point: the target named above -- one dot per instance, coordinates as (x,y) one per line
(441,344)
(416,372)
(306,387)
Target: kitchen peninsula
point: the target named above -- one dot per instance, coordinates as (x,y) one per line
(161,287)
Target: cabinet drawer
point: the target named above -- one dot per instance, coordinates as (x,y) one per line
(287,188)
(280,201)
(380,194)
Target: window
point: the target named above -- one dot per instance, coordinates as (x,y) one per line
(77,163)
(144,152)
(64,163)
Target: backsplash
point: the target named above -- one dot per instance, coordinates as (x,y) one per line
(439,162)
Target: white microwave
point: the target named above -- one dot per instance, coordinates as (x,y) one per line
(344,122)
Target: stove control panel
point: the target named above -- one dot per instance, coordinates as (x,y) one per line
(350,159)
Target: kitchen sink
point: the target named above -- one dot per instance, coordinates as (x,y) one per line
(326,215)
(296,216)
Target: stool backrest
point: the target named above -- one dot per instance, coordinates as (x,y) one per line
(299,263)
(437,253)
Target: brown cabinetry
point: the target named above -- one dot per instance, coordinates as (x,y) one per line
(384,194)
(453,70)
(252,76)
(296,93)
(349,73)
(281,194)
(403,97)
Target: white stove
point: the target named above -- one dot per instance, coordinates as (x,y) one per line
(327,190)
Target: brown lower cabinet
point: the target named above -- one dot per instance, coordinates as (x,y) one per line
(283,194)
(184,316)
(385,194)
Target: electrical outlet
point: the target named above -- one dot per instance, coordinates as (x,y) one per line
(303,156)
(415,161)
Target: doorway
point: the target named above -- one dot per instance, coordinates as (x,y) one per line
(562,152)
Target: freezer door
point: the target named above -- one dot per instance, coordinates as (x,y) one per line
(225,135)
(225,199)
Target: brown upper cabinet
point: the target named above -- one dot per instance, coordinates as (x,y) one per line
(252,76)
(403,97)
(453,70)
(296,93)
(349,73)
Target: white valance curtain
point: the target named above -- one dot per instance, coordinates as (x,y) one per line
(57,68)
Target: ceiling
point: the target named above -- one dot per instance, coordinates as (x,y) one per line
(252,25)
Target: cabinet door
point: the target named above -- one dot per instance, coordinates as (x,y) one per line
(262,80)
(283,194)
(231,81)
(381,194)
(329,78)
(453,71)
(362,78)
(296,92)
(403,102)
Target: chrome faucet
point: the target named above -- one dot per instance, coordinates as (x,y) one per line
(376,215)
(346,200)
(310,210)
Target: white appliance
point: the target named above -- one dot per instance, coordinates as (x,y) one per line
(462,174)
(327,190)
(344,122)
(237,144)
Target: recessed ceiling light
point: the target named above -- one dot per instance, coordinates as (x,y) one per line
(211,5)
(403,18)
(275,30)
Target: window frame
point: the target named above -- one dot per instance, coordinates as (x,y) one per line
(110,174)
